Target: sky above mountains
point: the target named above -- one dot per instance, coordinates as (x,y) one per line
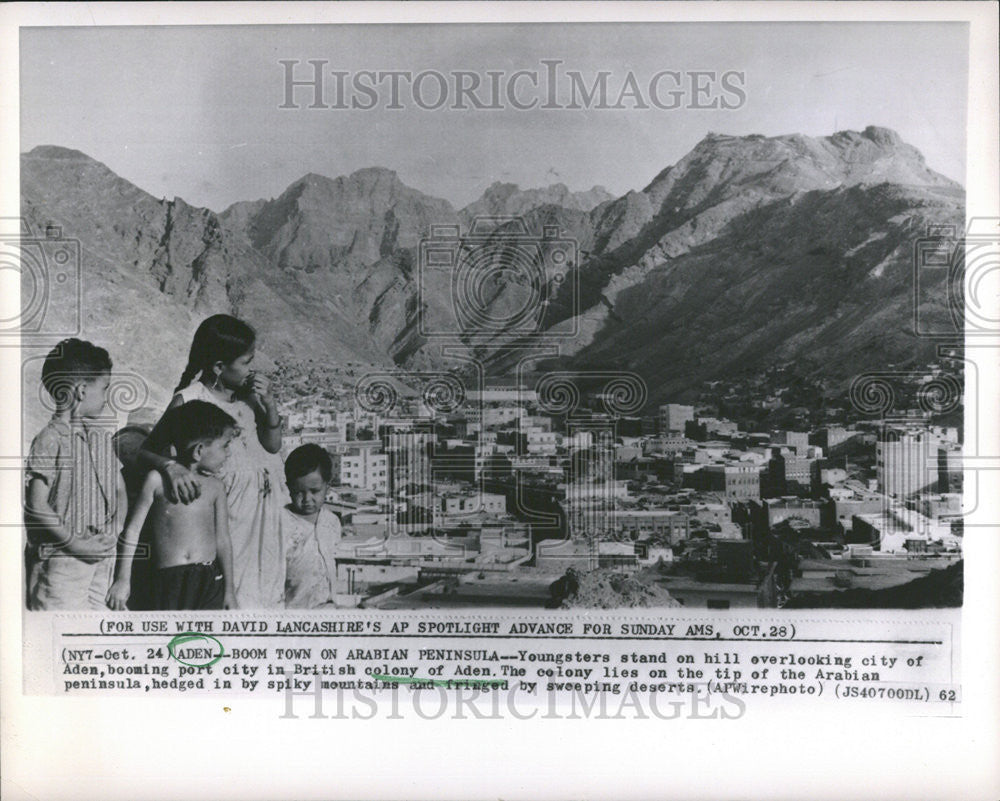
(195,112)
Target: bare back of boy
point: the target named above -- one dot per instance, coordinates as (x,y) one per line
(185,533)
(193,554)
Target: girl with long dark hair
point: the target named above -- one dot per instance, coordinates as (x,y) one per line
(218,371)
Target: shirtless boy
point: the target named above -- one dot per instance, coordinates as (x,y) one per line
(192,552)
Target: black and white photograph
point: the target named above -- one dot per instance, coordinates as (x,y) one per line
(568,330)
(588,357)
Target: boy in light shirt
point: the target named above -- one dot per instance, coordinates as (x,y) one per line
(312,532)
(75,494)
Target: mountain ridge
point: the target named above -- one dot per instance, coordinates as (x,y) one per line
(330,268)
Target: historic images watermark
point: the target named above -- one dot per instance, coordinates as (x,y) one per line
(493,291)
(430,699)
(537,272)
(969,266)
(962,320)
(48,266)
(313,84)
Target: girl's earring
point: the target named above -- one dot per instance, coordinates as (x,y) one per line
(215,386)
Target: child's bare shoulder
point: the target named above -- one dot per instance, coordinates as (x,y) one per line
(153,483)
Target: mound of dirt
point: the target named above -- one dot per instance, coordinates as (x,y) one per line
(605,589)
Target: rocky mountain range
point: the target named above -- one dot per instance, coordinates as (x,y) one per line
(509,200)
(753,250)
(748,251)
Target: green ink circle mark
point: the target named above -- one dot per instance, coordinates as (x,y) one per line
(189,637)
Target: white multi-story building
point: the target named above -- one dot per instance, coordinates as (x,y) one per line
(906,462)
(733,480)
(365,469)
(540,442)
(474,503)
(482,453)
(409,457)
(945,433)
(311,417)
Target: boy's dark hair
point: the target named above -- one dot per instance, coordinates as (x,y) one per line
(197,421)
(306,458)
(70,361)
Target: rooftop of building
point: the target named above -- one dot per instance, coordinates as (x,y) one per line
(791,502)
(646,512)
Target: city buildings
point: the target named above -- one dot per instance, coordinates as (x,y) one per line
(733,481)
(674,417)
(497,499)
(906,461)
(362,467)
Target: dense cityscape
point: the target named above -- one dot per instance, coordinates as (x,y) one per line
(768,491)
